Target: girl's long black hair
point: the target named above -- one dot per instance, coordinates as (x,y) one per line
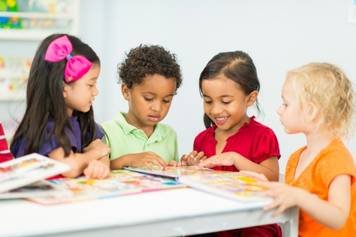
(45,101)
(237,66)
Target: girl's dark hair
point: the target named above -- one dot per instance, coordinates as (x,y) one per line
(45,102)
(237,66)
(147,60)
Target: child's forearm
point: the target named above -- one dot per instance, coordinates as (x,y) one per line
(105,160)
(321,210)
(121,162)
(271,173)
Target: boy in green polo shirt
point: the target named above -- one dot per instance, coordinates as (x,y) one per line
(149,79)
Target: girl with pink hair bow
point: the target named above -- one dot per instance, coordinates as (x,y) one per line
(59,120)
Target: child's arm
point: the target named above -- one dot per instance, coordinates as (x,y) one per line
(193,158)
(333,213)
(144,159)
(98,169)
(79,161)
(268,167)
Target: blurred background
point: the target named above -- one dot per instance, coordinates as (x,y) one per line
(278,35)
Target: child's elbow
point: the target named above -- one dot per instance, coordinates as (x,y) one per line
(339,223)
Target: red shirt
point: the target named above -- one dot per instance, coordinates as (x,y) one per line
(5,153)
(253,140)
(257,143)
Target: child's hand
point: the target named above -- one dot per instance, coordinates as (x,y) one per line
(173,163)
(148,160)
(193,158)
(284,196)
(97,170)
(100,147)
(223,159)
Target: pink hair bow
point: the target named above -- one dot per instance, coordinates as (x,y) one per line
(76,66)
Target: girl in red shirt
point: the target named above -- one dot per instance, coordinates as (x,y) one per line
(232,140)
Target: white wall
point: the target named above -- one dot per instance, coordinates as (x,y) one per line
(279,35)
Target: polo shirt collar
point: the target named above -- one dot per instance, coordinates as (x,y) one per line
(157,135)
(126,127)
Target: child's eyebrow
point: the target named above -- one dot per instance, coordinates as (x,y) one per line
(173,94)
(154,94)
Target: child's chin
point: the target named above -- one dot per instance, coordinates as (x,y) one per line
(85,110)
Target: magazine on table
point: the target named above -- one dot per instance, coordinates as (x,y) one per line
(28,169)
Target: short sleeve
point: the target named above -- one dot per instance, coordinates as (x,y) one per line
(99,132)
(334,163)
(199,140)
(266,146)
(197,143)
(176,157)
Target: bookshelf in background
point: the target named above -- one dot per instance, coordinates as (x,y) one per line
(36,19)
(23,24)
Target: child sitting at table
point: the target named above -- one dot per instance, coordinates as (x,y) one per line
(150,77)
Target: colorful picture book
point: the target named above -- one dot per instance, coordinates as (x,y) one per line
(27,170)
(172,172)
(121,182)
(231,185)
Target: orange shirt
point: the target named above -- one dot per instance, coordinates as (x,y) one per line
(332,161)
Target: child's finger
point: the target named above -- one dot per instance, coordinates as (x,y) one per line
(270,206)
(280,210)
(158,161)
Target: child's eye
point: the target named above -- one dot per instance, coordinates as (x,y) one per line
(207,102)
(166,101)
(148,98)
(91,85)
(284,104)
(226,102)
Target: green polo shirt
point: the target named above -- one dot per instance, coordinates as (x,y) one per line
(124,138)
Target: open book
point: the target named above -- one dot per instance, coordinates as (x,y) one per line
(27,170)
(120,182)
(231,185)
(172,172)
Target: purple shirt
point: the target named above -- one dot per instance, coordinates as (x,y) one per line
(51,143)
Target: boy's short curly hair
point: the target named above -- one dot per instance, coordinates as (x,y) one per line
(147,60)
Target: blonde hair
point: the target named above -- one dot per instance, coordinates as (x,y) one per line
(328,88)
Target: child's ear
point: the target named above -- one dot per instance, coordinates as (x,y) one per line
(312,112)
(125,91)
(252,97)
(65,90)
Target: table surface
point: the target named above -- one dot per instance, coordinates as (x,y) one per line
(174,212)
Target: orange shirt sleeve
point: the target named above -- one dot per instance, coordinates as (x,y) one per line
(335,162)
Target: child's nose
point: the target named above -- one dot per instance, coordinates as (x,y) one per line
(215,109)
(95,91)
(279,110)
(156,106)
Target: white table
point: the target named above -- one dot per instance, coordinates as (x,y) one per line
(176,212)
